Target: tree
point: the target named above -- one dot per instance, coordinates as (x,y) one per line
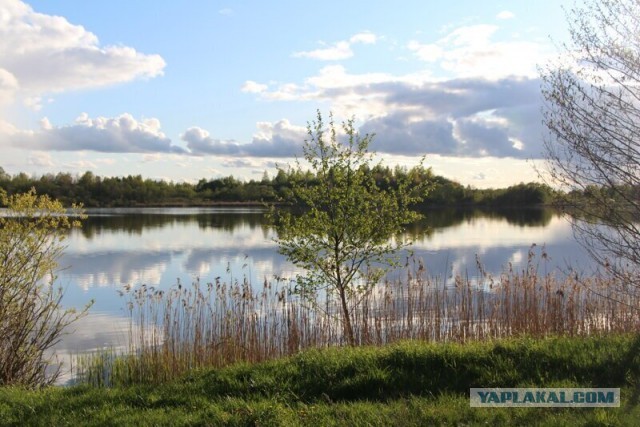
(593,149)
(32,232)
(3,175)
(342,239)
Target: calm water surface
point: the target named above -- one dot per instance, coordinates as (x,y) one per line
(158,247)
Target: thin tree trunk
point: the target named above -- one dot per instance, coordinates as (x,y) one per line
(346,317)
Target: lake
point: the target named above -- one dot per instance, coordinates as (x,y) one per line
(161,246)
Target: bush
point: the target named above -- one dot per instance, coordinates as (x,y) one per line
(32,231)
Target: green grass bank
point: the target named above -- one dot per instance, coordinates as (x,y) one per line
(408,383)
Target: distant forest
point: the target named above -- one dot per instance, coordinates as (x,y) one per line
(134,190)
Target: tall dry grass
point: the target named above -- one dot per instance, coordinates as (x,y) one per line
(215,324)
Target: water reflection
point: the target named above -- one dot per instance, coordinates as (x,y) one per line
(160,246)
(449,217)
(93,333)
(157,247)
(136,221)
(114,267)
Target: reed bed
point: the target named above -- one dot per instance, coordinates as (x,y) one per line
(216,324)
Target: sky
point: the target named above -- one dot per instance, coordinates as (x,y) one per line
(184,90)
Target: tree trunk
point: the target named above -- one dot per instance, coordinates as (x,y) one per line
(346,317)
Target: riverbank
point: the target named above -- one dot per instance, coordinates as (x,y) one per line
(409,383)
(136,191)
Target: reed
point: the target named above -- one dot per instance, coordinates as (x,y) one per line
(216,324)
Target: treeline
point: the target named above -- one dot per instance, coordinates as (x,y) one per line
(134,190)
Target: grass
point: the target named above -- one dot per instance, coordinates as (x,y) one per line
(216,324)
(230,354)
(406,383)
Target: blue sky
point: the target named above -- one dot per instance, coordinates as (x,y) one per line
(192,89)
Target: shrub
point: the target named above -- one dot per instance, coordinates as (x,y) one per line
(32,231)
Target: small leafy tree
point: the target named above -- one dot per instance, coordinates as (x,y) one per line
(348,235)
(32,231)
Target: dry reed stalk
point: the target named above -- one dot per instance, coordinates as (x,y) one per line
(216,324)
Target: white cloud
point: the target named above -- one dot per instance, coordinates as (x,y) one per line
(122,134)
(151,157)
(6,128)
(106,161)
(8,87)
(201,143)
(226,11)
(505,14)
(463,70)
(335,84)
(247,162)
(279,139)
(45,124)
(287,92)
(47,54)
(339,50)
(472,35)
(410,115)
(81,165)
(471,52)
(365,37)
(426,52)
(415,114)
(480,176)
(33,102)
(336,76)
(40,159)
(253,87)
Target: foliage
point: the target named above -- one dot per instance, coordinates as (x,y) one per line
(343,237)
(593,115)
(32,232)
(133,190)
